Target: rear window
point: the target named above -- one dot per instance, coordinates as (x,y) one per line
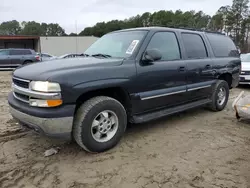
(222,46)
(194,46)
(20,52)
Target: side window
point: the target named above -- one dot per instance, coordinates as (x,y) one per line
(4,52)
(25,52)
(222,46)
(166,43)
(14,52)
(194,45)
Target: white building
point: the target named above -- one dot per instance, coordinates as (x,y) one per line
(46,44)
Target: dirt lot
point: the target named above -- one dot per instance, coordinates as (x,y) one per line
(192,149)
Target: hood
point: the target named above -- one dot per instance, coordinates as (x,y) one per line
(245,66)
(38,70)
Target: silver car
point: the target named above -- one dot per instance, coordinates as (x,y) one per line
(245,69)
(47,57)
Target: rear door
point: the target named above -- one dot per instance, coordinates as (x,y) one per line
(200,74)
(5,59)
(18,56)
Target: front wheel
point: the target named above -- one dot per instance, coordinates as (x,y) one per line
(219,96)
(99,124)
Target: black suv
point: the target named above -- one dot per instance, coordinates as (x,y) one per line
(133,75)
(11,58)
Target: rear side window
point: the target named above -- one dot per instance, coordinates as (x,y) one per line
(20,52)
(222,46)
(194,45)
(167,44)
(26,52)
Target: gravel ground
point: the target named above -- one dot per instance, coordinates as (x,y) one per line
(196,149)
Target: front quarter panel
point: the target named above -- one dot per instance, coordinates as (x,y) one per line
(77,82)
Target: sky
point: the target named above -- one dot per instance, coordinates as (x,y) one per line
(85,13)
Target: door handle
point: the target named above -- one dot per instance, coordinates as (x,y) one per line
(181,69)
(208,66)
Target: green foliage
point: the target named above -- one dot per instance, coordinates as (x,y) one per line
(10,28)
(31,28)
(161,18)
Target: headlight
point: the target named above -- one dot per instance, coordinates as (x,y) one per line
(45,86)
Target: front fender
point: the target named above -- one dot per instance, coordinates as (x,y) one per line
(85,87)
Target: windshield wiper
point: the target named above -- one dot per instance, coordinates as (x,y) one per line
(101,55)
(83,54)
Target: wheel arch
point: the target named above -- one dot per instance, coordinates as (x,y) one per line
(226,77)
(116,92)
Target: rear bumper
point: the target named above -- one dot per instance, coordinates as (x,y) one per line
(244,79)
(52,122)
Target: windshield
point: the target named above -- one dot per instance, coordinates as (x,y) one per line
(120,44)
(245,57)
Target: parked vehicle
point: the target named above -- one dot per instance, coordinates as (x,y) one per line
(46,57)
(65,56)
(134,75)
(12,58)
(245,69)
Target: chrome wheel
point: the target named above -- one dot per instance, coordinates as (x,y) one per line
(221,96)
(104,126)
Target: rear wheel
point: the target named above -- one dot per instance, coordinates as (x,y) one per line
(27,62)
(220,96)
(99,124)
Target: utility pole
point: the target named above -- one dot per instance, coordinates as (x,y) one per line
(76,37)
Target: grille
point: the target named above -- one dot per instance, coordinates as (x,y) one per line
(21,83)
(21,97)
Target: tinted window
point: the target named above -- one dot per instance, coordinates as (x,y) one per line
(194,45)
(167,44)
(222,46)
(4,52)
(20,52)
(26,52)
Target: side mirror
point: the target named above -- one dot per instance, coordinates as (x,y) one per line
(151,55)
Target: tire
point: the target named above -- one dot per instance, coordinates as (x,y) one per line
(218,104)
(87,136)
(27,62)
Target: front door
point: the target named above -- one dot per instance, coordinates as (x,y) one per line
(161,83)
(5,60)
(200,74)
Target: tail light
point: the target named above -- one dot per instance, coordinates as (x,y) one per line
(38,58)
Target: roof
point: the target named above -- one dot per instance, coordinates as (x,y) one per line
(169,29)
(17,37)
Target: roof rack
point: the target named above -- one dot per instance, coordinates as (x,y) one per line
(201,30)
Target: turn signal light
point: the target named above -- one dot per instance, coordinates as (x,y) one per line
(52,103)
(45,103)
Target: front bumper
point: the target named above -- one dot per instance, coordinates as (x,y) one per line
(52,122)
(244,79)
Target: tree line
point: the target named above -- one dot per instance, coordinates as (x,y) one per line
(32,28)
(234,20)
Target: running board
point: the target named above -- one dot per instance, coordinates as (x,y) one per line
(169,111)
